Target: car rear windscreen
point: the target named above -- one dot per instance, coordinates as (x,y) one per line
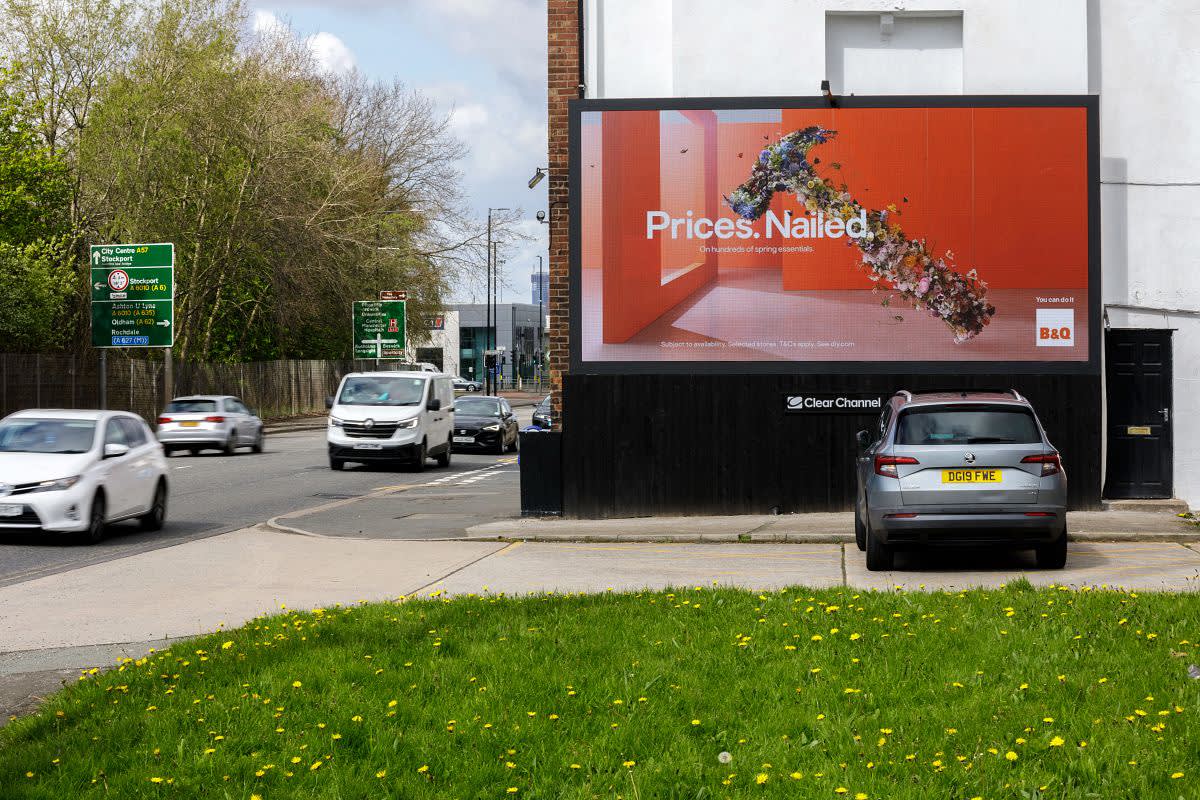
(192,406)
(972,424)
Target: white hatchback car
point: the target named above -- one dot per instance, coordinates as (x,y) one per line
(78,471)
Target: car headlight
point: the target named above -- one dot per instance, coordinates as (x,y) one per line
(335,422)
(56,485)
(408,423)
(491,427)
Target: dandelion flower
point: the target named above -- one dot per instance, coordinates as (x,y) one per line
(296,684)
(381,774)
(1057,741)
(576,766)
(1176,776)
(695,722)
(511,790)
(724,757)
(423,768)
(761,778)
(1011,756)
(628,764)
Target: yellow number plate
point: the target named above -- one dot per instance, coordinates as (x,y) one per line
(188,424)
(970,476)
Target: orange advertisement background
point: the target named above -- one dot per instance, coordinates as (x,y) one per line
(1004,189)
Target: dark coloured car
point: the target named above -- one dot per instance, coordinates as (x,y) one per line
(542,417)
(484,423)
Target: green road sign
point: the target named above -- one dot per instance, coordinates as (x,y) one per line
(133,295)
(379,329)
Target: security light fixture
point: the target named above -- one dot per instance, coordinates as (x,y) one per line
(828,94)
(541,217)
(537,177)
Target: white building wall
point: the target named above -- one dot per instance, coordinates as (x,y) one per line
(1145,62)
(447,339)
(715,48)
(1142,58)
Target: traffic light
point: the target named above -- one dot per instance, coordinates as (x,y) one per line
(489,360)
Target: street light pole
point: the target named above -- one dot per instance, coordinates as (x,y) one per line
(489,344)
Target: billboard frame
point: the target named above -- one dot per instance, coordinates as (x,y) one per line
(1090,103)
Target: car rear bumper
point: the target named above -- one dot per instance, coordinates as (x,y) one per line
(1028,525)
(192,436)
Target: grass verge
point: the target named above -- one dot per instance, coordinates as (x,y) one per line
(1012,693)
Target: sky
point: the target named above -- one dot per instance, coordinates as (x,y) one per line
(483,62)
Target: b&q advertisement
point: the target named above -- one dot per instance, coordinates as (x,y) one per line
(886,235)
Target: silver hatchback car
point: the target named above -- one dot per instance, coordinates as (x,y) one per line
(209,422)
(963,468)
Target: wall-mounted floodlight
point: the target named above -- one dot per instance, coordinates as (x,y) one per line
(827,93)
(537,177)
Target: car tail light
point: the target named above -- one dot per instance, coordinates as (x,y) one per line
(1051,463)
(899,516)
(886,465)
(163,420)
(214,419)
(1040,514)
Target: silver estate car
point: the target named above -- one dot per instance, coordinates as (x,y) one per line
(959,468)
(209,422)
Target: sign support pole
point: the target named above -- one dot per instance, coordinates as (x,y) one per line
(168,375)
(103,378)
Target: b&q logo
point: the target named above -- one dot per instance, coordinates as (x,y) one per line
(1056,327)
(1054,333)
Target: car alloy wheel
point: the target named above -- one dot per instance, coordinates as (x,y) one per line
(156,517)
(95,530)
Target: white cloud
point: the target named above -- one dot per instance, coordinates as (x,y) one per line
(330,52)
(469,119)
(265,22)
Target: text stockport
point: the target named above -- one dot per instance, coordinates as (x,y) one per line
(790,226)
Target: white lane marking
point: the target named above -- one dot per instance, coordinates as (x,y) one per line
(185,466)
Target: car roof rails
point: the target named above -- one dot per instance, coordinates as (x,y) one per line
(1017,395)
(907,394)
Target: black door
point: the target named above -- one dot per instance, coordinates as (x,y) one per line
(1138,371)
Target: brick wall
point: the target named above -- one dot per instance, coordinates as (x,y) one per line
(563,71)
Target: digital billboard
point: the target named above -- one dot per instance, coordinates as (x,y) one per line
(924,234)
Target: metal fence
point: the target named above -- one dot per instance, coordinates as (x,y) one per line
(272,388)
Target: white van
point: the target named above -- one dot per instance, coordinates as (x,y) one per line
(391,416)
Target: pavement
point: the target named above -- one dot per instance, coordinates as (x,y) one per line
(1083,526)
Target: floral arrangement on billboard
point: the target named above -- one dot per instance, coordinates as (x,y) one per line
(907,266)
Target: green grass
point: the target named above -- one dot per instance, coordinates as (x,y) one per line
(1013,693)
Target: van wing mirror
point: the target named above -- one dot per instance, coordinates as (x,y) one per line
(329,401)
(435,404)
(864,440)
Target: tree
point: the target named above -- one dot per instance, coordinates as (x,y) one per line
(288,192)
(33,181)
(35,253)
